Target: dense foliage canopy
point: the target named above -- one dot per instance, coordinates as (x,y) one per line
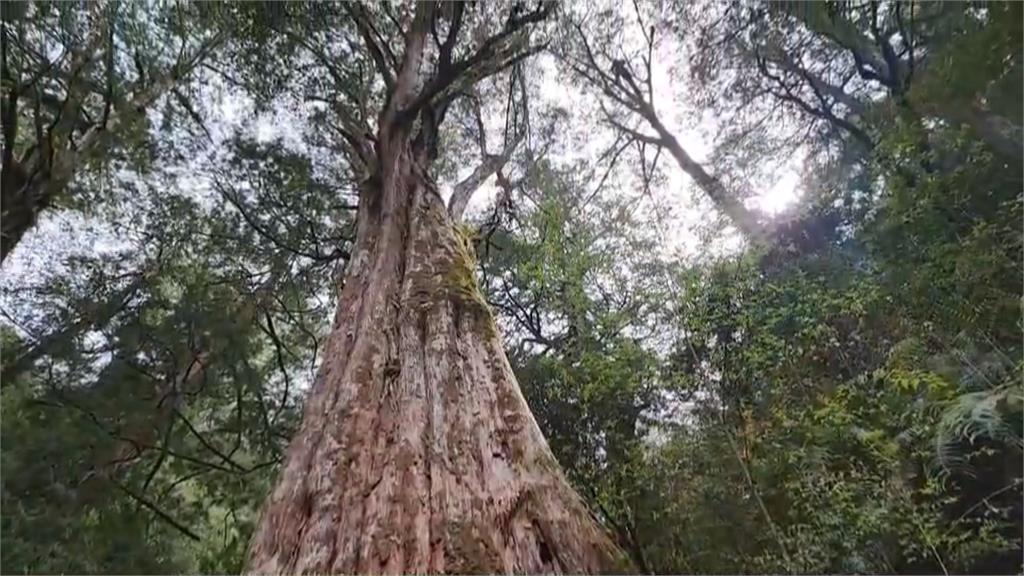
(839,392)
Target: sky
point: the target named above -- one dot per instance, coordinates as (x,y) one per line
(682,206)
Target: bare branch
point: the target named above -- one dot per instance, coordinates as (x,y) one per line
(491,164)
(619,85)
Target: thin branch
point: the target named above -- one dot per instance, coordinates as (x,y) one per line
(369,35)
(156,510)
(496,53)
(278,348)
(229,195)
(206,444)
(465,189)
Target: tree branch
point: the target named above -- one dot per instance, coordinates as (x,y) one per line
(464,190)
(495,54)
(156,510)
(369,34)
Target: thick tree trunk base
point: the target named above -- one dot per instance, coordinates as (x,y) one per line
(417,452)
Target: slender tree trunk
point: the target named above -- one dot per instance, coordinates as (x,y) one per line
(417,451)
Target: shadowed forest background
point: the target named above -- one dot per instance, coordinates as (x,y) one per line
(738,372)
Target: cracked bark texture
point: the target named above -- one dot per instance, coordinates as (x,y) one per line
(417,452)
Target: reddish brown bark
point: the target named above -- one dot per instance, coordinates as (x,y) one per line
(417,452)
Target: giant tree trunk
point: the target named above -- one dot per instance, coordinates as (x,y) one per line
(417,452)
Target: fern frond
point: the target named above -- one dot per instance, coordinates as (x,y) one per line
(993,414)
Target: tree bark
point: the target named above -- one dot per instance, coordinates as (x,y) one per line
(417,451)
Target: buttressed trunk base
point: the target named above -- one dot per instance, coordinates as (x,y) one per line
(417,451)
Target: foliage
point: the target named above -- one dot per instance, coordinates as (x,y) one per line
(844,399)
(150,400)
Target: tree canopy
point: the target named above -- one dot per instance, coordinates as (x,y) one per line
(833,385)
